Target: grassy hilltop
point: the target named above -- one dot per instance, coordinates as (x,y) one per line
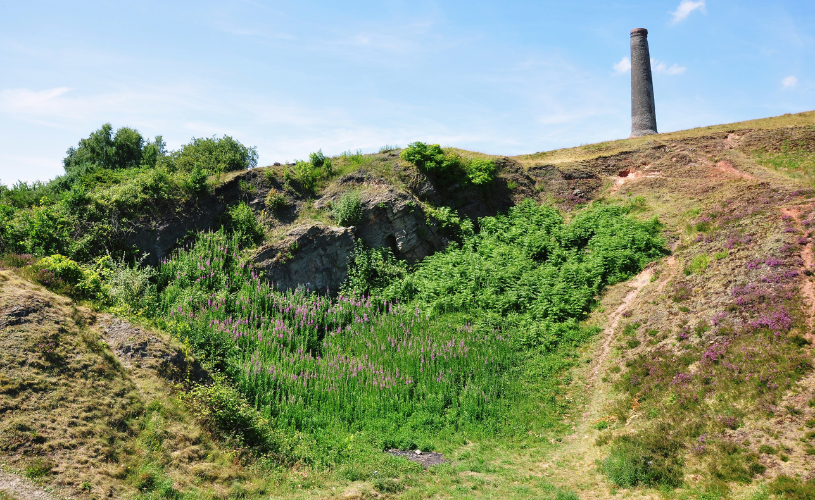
(633,317)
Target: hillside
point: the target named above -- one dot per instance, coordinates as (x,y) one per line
(641,326)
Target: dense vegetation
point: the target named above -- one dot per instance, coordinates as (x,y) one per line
(416,354)
(111,180)
(432,159)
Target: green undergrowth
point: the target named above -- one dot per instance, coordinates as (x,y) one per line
(449,166)
(470,343)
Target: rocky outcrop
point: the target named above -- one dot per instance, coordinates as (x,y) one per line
(316,255)
(396,219)
(135,347)
(391,217)
(156,237)
(313,256)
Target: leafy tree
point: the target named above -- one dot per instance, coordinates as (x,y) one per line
(104,149)
(152,151)
(96,149)
(127,148)
(211,155)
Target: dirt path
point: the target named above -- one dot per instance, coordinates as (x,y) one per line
(671,263)
(637,284)
(728,168)
(808,256)
(22,489)
(578,452)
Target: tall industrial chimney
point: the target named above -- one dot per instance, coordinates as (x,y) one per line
(643,113)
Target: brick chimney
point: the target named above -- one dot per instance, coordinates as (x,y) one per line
(643,113)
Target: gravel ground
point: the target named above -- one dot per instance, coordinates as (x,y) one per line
(19,488)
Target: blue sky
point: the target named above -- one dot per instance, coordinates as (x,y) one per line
(293,76)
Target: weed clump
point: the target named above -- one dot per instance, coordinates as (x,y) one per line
(792,489)
(39,467)
(652,460)
(347,211)
(275,200)
(241,221)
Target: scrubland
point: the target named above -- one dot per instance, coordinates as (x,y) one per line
(631,318)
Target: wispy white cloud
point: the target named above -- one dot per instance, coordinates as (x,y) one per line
(623,66)
(30,101)
(789,82)
(685,8)
(662,68)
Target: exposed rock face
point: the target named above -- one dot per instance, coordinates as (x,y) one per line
(157,237)
(395,219)
(390,217)
(315,256)
(135,347)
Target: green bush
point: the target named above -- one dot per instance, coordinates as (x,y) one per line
(66,276)
(42,230)
(304,173)
(225,413)
(480,171)
(652,459)
(451,223)
(242,222)
(129,288)
(320,161)
(212,156)
(197,181)
(431,158)
(347,211)
(371,270)
(697,265)
(275,200)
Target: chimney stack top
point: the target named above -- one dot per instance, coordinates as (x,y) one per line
(639,31)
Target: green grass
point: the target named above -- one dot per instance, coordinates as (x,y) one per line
(793,159)
(697,265)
